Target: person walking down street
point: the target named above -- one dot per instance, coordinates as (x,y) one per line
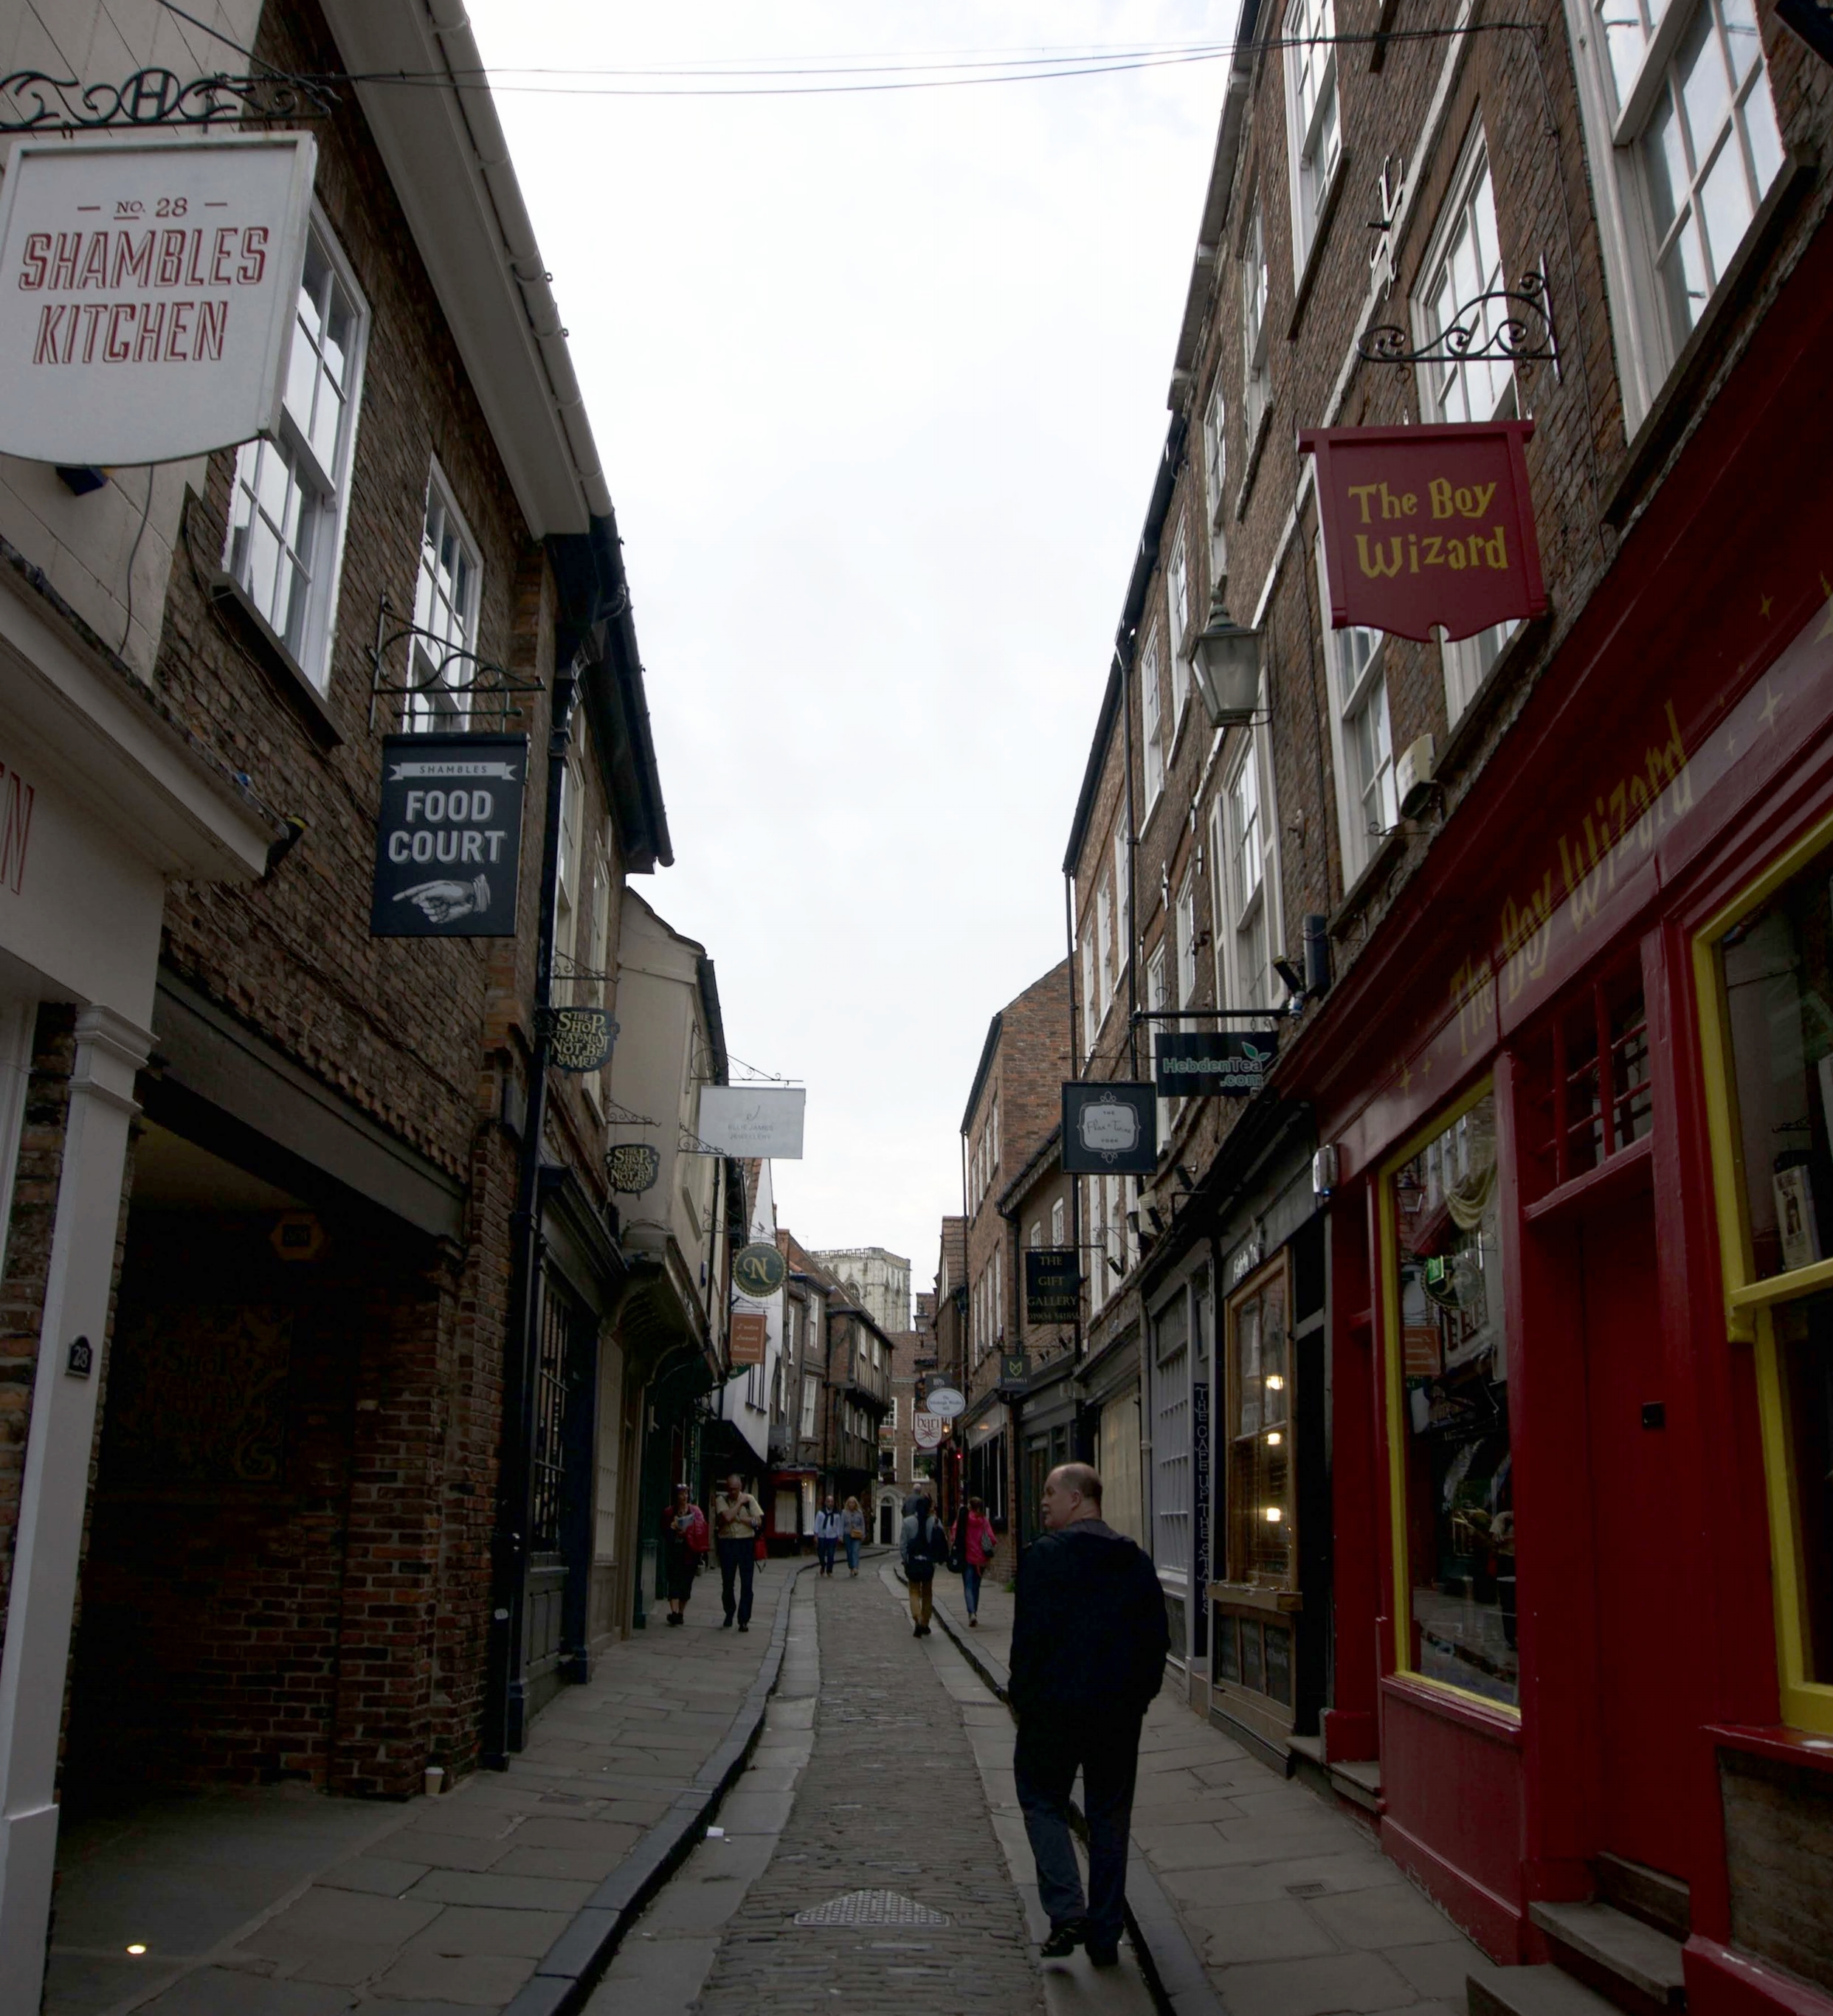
(685,1541)
(975,1542)
(852,1529)
(827,1529)
(922,1545)
(738,1519)
(1089,1645)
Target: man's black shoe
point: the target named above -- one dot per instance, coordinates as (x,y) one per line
(1104,1956)
(744,1627)
(726,1625)
(1064,1939)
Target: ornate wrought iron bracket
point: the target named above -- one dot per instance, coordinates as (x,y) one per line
(31,101)
(455,687)
(1523,333)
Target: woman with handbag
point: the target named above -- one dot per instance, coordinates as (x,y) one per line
(852,1530)
(685,1541)
(975,1544)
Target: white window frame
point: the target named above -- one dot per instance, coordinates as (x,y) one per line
(1151,723)
(442,653)
(1091,1019)
(1243,913)
(1465,260)
(1349,696)
(1104,945)
(1186,939)
(1157,997)
(1256,374)
(1647,343)
(1122,910)
(1314,118)
(310,648)
(1216,478)
(1057,1215)
(572,848)
(1177,597)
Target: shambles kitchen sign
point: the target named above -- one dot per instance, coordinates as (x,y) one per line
(448,840)
(1426,528)
(1197,1064)
(148,293)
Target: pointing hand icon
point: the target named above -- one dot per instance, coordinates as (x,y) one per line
(439,902)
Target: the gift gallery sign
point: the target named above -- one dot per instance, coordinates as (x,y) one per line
(1426,528)
(147,294)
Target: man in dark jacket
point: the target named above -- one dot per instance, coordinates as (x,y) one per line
(1088,1646)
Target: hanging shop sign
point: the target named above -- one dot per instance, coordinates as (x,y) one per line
(1197,1063)
(755,1121)
(758,1270)
(633,1167)
(448,837)
(1052,1284)
(1426,528)
(1013,1375)
(747,1335)
(147,294)
(1110,1127)
(946,1401)
(579,1039)
(927,1431)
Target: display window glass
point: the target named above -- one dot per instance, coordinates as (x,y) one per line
(1764,970)
(1454,1543)
(1262,1543)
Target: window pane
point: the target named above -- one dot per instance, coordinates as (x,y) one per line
(1459,1508)
(1759,125)
(1626,38)
(1705,87)
(1778,969)
(1666,162)
(327,417)
(1804,1352)
(1683,277)
(1725,205)
(1260,1504)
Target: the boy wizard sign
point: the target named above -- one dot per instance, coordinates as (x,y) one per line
(448,838)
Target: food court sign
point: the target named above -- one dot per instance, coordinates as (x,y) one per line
(147,294)
(448,838)
(1426,528)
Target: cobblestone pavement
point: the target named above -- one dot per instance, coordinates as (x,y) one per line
(890,1800)
(1291,1906)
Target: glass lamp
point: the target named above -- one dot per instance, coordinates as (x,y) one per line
(1225,663)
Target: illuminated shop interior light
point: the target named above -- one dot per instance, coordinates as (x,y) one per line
(1274,1439)
(136,1950)
(1274,1515)
(1275,1383)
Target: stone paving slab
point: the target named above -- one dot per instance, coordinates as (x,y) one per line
(1289,1905)
(294,1904)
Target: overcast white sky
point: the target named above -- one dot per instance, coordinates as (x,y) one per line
(879,380)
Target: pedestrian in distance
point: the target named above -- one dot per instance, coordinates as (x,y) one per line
(923,1544)
(738,1519)
(685,1541)
(975,1543)
(852,1530)
(1088,1646)
(827,1535)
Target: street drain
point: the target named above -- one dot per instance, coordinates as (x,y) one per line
(871,1907)
(1305,1889)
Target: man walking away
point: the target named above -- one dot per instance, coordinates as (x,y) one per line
(1088,1646)
(738,1519)
(922,1545)
(826,1535)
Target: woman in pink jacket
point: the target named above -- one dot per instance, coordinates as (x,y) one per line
(974,1543)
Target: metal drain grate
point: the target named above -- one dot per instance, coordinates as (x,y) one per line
(1305,1889)
(871,1907)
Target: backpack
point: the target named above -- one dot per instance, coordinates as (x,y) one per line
(935,1542)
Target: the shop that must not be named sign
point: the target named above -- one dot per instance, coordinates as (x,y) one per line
(1426,528)
(1110,1127)
(1052,1284)
(1197,1063)
(448,837)
(147,294)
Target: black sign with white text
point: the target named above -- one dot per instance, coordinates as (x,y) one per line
(448,837)
(1052,1284)
(1198,1064)
(1110,1128)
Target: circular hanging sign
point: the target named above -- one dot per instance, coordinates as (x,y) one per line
(926,1430)
(580,1039)
(945,1401)
(633,1167)
(758,1270)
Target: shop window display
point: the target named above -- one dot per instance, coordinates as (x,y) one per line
(1453,1431)
(1260,1539)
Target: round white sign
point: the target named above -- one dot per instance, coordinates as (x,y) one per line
(945,1401)
(926,1430)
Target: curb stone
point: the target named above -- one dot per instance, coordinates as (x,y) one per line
(573,1963)
(1174,1972)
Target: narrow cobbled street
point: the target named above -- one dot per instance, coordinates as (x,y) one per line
(857,1863)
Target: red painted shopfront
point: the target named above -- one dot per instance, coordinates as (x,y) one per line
(1581,1246)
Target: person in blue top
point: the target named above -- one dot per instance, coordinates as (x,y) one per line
(827,1535)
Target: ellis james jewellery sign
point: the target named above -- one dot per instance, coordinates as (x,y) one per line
(448,837)
(147,290)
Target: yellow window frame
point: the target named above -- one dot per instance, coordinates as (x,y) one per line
(1395,1395)
(1750,1302)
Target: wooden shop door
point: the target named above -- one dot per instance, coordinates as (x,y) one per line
(1639,1556)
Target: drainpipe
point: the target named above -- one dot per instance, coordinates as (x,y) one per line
(506,1706)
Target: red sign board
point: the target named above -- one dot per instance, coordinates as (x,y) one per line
(1426,528)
